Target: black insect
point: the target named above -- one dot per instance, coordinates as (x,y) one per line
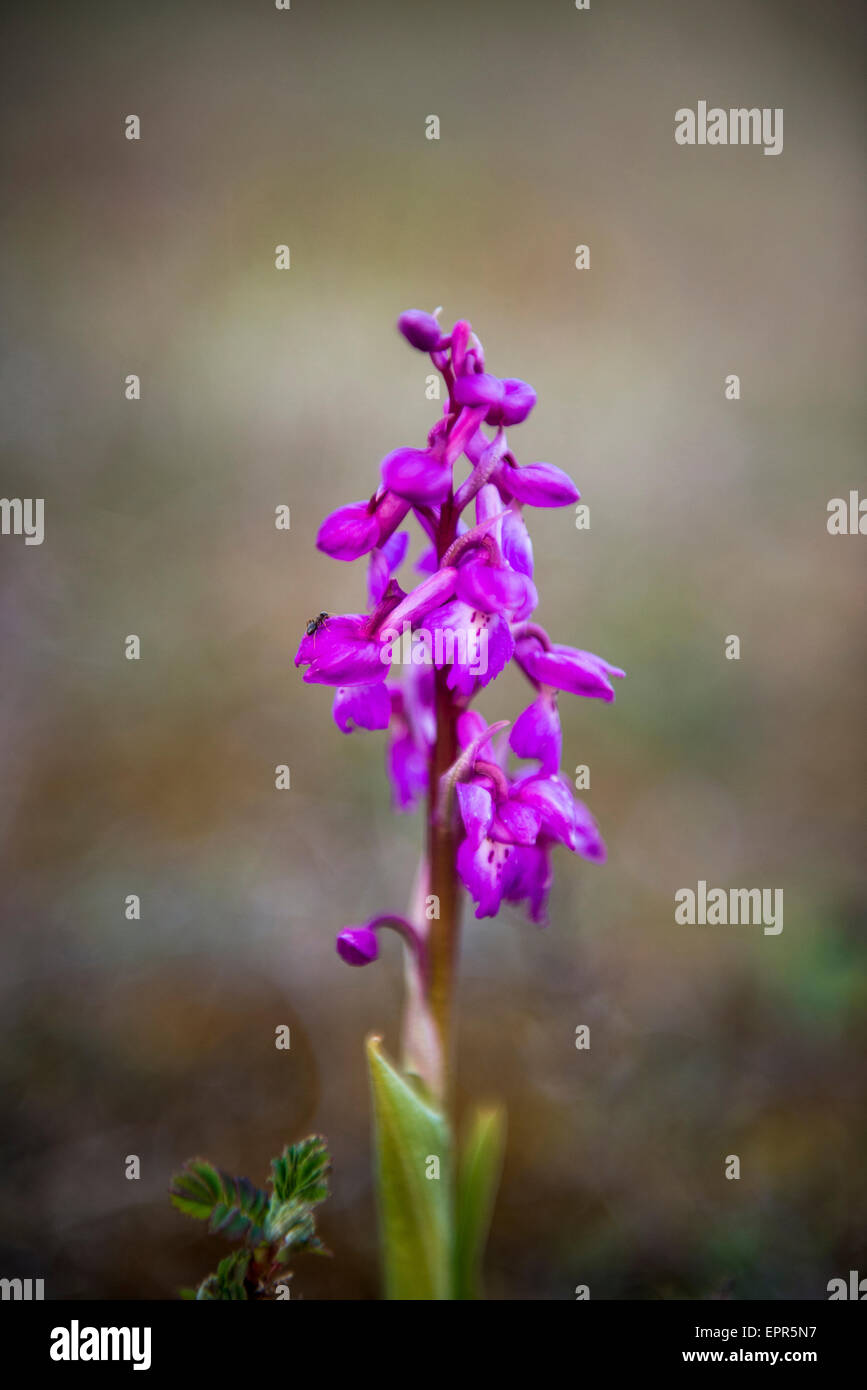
(316,624)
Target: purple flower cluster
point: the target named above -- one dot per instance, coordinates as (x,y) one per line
(477,596)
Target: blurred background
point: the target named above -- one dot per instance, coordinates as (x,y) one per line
(259,388)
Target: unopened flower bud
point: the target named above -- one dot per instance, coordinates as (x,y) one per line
(357,945)
(420,329)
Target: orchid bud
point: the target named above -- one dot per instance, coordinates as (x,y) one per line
(540,485)
(417,475)
(357,945)
(349,532)
(421,330)
(518,400)
(479,389)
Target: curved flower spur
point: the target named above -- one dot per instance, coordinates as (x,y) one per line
(412,664)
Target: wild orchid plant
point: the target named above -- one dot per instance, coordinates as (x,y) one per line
(412,665)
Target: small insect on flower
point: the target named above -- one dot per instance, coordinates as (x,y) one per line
(316,624)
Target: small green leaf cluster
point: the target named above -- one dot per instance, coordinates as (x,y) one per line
(273,1225)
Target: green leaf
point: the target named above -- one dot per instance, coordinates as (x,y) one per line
(235,1207)
(481,1163)
(415,1210)
(301,1172)
(228,1282)
(291,1230)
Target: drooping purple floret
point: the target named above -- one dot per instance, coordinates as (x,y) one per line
(566,668)
(357,945)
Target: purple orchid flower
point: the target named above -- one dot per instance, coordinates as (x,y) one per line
(563,668)
(475,648)
(353,531)
(503,816)
(414,663)
(353,648)
(343,652)
(365,706)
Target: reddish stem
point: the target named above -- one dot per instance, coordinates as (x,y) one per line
(444,933)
